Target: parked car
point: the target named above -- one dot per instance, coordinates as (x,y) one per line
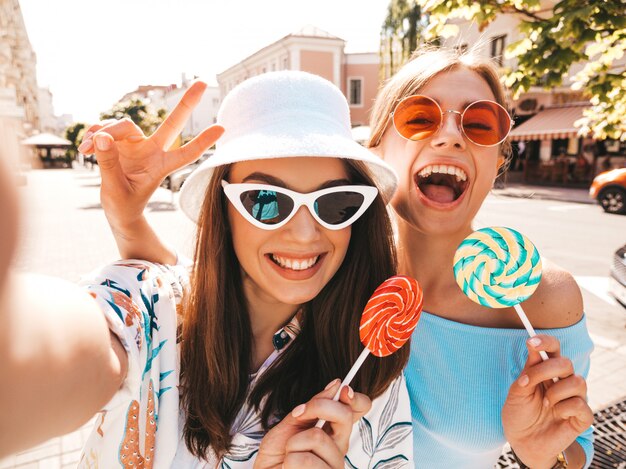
(617,280)
(175,180)
(609,188)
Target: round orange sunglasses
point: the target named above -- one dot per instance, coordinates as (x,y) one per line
(484,122)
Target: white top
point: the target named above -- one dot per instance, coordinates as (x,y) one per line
(142,425)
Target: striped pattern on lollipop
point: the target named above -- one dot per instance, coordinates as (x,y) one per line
(387,322)
(390,315)
(497,267)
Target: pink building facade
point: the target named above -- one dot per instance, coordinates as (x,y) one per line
(315,51)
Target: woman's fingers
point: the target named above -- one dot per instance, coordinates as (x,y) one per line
(86,146)
(174,123)
(559,367)
(337,414)
(122,130)
(118,129)
(545,343)
(359,403)
(316,441)
(576,411)
(571,386)
(304,460)
(108,161)
(193,150)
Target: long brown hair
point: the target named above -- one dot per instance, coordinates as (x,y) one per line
(216,348)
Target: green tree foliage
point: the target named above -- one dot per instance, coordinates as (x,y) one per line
(399,35)
(138,111)
(590,33)
(74,133)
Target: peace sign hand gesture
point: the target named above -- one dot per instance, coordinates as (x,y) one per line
(133,166)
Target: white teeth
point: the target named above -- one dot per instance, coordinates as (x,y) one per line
(295,264)
(444,169)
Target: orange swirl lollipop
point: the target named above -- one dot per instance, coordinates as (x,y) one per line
(389,318)
(390,315)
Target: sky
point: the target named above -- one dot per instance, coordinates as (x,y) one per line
(90,53)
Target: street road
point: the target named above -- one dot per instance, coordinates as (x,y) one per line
(65,234)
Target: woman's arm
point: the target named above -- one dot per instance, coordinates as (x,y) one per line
(59,363)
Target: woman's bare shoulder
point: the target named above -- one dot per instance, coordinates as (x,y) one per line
(557,302)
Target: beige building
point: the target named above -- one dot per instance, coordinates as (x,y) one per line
(19,109)
(315,51)
(549,148)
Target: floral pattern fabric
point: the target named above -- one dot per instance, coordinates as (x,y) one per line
(141,427)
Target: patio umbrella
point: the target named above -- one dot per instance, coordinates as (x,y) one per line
(47,142)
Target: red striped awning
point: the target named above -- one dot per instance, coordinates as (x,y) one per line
(549,124)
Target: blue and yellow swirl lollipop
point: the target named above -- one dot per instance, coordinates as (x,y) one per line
(499,267)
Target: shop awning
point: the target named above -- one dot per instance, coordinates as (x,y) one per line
(552,123)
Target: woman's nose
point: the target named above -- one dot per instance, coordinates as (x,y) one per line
(449,135)
(303,227)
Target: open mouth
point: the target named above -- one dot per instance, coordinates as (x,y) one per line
(295,264)
(442,183)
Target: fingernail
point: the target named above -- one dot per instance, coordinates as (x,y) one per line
(546,402)
(350,392)
(535,341)
(523,380)
(87,135)
(86,145)
(298,411)
(102,143)
(331,384)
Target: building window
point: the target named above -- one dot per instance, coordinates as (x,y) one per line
(497,48)
(285,63)
(355,91)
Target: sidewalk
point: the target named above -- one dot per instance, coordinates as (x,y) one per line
(561,194)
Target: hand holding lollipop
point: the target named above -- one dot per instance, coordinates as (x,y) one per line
(389,318)
(499,267)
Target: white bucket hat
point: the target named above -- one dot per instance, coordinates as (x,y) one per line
(281,115)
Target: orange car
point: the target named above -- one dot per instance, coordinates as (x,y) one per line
(609,188)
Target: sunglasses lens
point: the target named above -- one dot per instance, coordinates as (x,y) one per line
(417,117)
(338,207)
(486,123)
(269,207)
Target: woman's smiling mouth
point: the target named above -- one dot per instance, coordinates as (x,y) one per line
(442,184)
(296,268)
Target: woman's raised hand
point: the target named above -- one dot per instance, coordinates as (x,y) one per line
(295,442)
(542,418)
(132,165)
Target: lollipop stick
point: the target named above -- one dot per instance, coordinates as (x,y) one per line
(531,331)
(346,381)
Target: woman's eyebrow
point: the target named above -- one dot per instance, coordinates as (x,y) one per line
(257,176)
(274,181)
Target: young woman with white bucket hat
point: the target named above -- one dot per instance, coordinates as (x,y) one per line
(269,316)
